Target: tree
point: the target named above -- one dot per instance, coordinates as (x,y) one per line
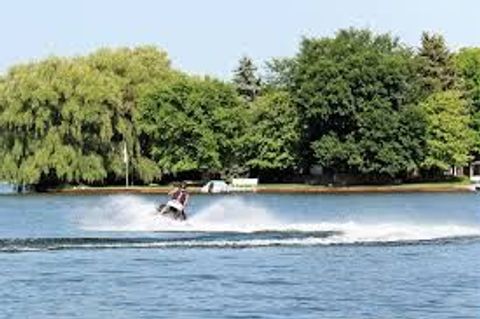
(65,120)
(449,137)
(353,93)
(279,73)
(467,62)
(273,137)
(134,69)
(390,144)
(435,65)
(246,80)
(190,124)
(56,122)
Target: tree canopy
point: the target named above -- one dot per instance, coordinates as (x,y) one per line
(353,94)
(246,79)
(435,65)
(358,102)
(449,137)
(64,120)
(272,141)
(187,124)
(467,63)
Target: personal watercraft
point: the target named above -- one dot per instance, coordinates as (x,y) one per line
(172,209)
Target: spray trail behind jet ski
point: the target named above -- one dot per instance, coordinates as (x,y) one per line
(233,215)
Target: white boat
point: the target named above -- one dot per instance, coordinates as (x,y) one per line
(216,187)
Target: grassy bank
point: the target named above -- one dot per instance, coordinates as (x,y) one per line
(454,186)
(420,187)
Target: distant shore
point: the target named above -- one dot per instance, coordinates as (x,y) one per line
(281,188)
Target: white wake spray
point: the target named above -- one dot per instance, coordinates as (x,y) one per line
(129,213)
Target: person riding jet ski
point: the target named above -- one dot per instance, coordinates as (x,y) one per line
(175,207)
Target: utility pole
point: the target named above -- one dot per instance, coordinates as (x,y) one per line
(125,160)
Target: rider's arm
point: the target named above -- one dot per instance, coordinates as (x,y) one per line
(172,191)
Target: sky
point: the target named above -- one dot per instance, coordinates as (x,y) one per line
(210,36)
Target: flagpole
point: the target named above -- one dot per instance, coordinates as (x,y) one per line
(125,159)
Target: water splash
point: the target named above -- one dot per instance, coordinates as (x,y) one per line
(234,215)
(129,213)
(125,213)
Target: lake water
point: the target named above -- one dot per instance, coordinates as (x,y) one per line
(241,256)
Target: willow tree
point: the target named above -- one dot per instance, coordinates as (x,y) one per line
(134,69)
(55,119)
(65,120)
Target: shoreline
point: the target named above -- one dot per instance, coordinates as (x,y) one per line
(280,189)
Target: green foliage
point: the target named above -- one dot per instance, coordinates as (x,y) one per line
(63,120)
(352,92)
(435,65)
(449,137)
(56,117)
(134,69)
(273,134)
(330,151)
(388,144)
(280,73)
(188,124)
(467,62)
(450,140)
(246,80)
(358,102)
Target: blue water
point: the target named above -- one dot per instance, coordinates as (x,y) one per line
(241,256)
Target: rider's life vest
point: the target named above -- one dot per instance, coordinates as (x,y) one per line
(180,196)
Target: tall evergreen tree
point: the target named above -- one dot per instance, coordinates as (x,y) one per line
(449,138)
(246,80)
(436,66)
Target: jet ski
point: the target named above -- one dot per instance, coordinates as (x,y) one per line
(172,209)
